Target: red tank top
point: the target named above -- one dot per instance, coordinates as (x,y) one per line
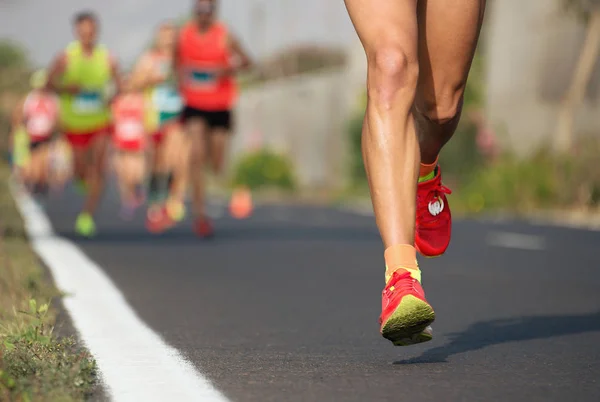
(128,116)
(40,114)
(200,54)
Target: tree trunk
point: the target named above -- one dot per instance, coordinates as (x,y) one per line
(579,83)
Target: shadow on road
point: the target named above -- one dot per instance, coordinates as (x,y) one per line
(487,333)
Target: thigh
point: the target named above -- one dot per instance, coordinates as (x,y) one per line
(38,163)
(80,158)
(99,149)
(218,140)
(381,24)
(179,145)
(448,34)
(62,156)
(136,165)
(171,143)
(158,150)
(118,163)
(196,129)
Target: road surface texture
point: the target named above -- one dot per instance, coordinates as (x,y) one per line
(284,306)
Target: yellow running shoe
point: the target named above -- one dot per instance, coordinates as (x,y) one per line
(176,211)
(85,226)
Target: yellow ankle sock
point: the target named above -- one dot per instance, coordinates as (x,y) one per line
(401,256)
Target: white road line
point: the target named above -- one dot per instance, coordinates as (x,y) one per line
(516,240)
(135,363)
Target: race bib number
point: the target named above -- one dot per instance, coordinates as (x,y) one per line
(167,100)
(130,130)
(88,103)
(40,126)
(203,79)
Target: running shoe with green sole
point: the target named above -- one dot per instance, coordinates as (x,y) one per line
(406,316)
(84,225)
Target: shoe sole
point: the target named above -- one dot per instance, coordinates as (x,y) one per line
(408,324)
(85,234)
(429,256)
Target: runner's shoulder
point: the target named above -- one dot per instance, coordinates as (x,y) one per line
(103,49)
(61,58)
(221,25)
(185,28)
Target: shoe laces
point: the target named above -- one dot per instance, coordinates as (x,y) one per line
(401,281)
(437,192)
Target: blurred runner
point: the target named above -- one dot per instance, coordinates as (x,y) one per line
(419,54)
(208,56)
(34,124)
(154,74)
(130,142)
(81,75)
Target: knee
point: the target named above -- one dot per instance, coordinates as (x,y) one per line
(441,107)
(392,70)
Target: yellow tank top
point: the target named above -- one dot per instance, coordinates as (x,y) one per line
(87,110)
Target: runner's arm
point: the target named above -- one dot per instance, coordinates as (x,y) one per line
(55,72)
(17,115)
(116,75)
(16,122)
(237,50)
(56,125)
(177,65)
(143,75)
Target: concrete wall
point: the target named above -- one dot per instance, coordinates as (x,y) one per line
(531,50)
(304,117)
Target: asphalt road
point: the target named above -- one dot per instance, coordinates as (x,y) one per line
(284,306)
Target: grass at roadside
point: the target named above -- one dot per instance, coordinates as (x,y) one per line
(543,181)
(35,365)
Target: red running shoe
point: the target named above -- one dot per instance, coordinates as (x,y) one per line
(405,314)
(161,218)
(158,219)
(204,228)
(434,221)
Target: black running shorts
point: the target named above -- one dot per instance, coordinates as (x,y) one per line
(214,119)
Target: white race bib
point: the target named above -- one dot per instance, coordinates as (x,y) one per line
(167,100)
(88,103)
(130,130)
(40,126)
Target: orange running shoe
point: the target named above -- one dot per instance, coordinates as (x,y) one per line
(405,314)
(240,206)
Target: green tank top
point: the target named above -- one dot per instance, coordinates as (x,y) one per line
(87,110)
(165,101)
(21,153)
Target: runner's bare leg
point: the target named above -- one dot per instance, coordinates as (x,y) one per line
(448,34)
(388,32)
